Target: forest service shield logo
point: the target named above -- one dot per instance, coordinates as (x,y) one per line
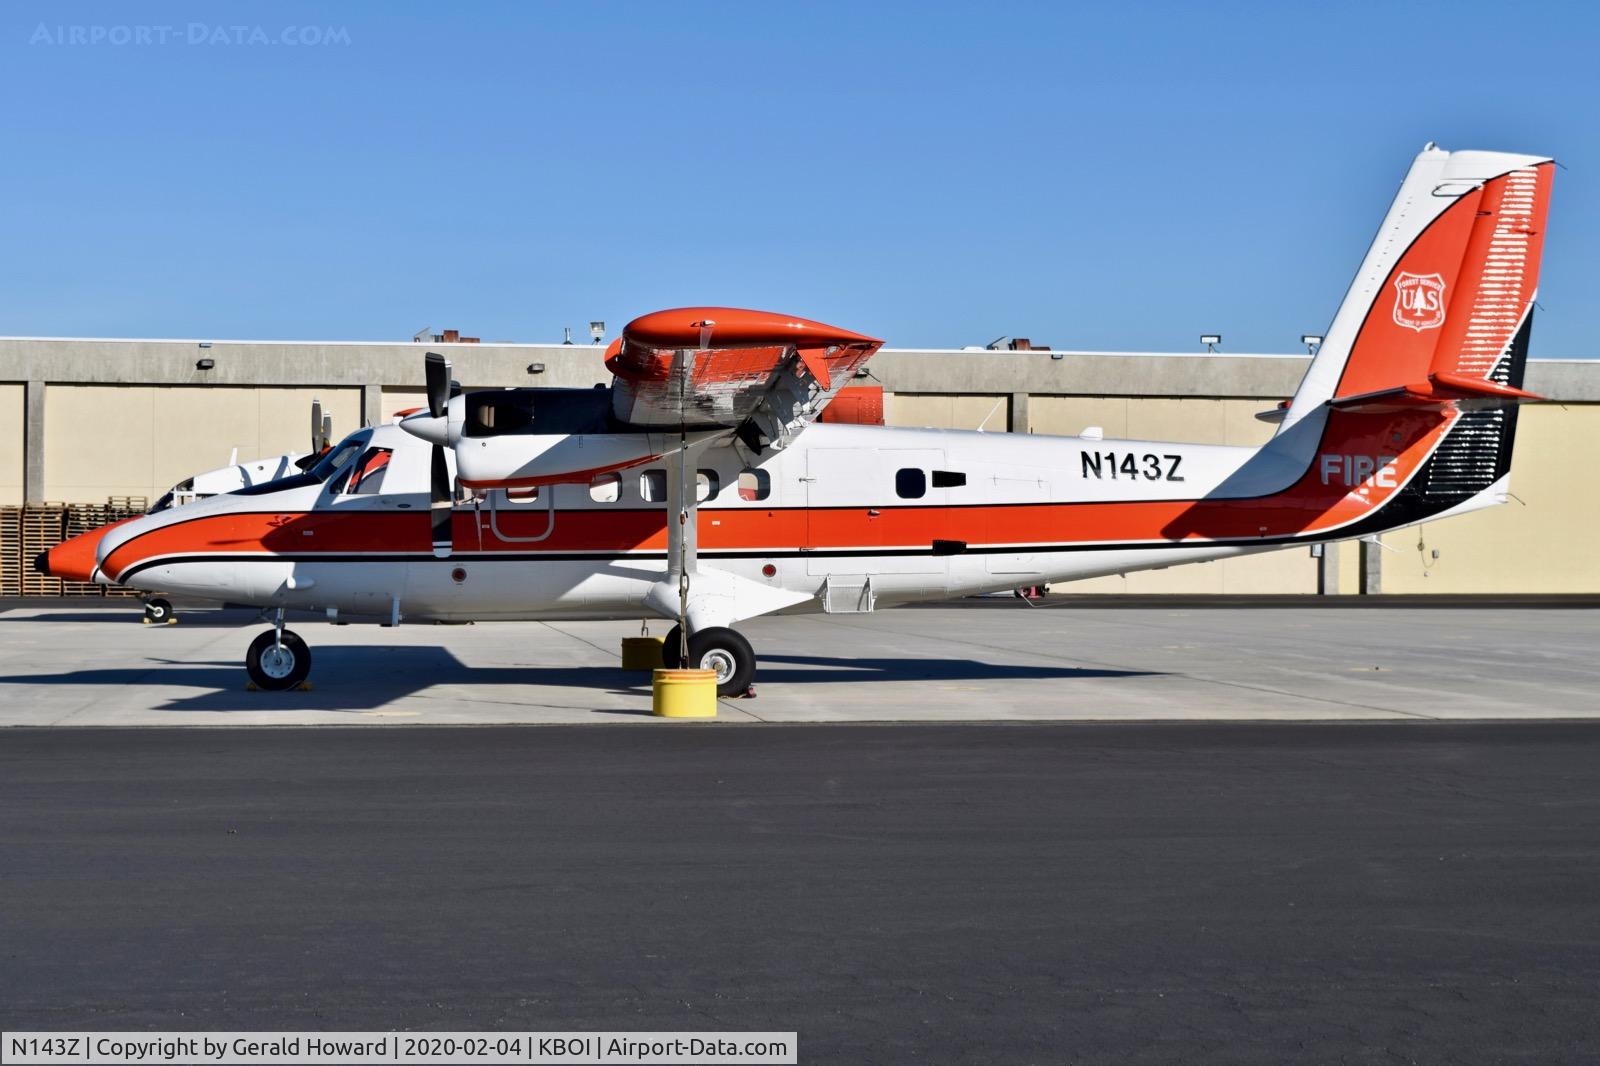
(1419,301)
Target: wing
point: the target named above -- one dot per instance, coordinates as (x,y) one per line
(764,375)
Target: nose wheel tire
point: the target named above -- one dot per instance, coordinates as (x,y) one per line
(274,665)
(158,611)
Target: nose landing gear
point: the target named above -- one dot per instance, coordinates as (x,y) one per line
(278,659)
(719,649)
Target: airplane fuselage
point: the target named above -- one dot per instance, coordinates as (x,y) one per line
(925,514)
(845,517)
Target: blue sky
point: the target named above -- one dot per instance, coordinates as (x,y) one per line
(1109,176)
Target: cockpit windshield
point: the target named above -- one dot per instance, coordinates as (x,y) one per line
(333,460)
(339,455)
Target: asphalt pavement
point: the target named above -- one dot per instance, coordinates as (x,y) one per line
(1181,892)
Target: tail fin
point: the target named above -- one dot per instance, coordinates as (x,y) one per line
(1437,316)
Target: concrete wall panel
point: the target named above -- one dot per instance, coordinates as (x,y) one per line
(1545,543)
(396,400)
(946,412)
(1068,416)
(144,439)
(11,451)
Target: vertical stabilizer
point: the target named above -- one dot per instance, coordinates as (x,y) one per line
(1444,290)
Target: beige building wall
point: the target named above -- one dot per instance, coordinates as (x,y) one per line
(1543,540)
(397,400)
(923,411)
(1200,421)
(12,434)
(139,441)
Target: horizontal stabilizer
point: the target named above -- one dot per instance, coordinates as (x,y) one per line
(1441,390)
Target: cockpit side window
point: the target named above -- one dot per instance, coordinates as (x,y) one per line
(366,478)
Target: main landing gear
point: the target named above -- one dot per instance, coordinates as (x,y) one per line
(278,659)
(719,649)
(158,611)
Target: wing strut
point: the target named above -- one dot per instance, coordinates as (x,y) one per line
(688,505)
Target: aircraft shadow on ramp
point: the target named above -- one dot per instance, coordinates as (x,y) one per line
(352,678)
(813,668)
(130,614)
(359,678)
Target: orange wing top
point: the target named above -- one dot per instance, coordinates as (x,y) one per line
(764,374)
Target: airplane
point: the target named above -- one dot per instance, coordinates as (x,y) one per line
(701,488)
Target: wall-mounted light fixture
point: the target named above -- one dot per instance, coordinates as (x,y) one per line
(205,364)
(536,368)
(1211,340)
(597,330)
(1311,341)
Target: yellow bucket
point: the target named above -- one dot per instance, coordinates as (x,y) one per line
(684,694)
(641,653)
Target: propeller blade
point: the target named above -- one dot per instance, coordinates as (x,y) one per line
(316,426)
(437,369)
(327,429)
(442,499)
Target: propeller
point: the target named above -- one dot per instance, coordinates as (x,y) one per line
(440,492)
(437,369)
(318,437)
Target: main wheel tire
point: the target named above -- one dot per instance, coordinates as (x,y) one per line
(276,667)
(158,611)
(672,648)
(726,652)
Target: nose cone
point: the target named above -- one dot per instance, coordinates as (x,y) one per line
(433,429)
(74,559)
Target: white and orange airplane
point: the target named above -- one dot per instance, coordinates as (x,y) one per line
(701,488)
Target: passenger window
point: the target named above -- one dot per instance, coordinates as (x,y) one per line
(754,484)
(910,483)
(948,479)
(653,486)
(706,485)
(366,477)
(606,488)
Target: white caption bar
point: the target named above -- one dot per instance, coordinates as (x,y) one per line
(298,1047)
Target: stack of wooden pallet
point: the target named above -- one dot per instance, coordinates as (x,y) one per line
(27,531)
(43,527)
(10,551)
